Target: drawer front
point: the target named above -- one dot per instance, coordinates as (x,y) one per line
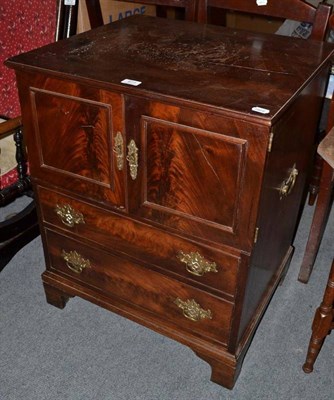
(175,302)
(208,267)
(78,131)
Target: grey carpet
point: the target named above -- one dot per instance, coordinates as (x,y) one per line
(87,353)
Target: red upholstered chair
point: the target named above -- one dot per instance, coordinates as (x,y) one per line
(24,25)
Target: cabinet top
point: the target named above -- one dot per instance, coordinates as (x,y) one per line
(217,66)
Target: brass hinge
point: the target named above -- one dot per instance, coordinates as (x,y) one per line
(270,144)
(256,235)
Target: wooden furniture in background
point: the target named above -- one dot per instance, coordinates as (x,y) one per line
(21,228)
(24,25)
(169,188)
(324,316)
(323,204)
(23,30)
(297,10)
(322,325)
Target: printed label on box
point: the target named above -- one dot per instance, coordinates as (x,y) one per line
(112,11)
(127,13)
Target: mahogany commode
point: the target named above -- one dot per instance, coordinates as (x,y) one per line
(174,202)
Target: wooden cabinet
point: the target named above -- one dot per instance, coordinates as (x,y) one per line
(172,202)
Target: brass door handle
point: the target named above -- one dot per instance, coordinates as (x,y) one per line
(196,264)
(132,158)
(289,183)
(75,262)
(69,216)
(193,310)
(119,150)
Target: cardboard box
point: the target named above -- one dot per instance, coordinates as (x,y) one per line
(112,11)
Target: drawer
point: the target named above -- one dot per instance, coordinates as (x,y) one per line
(170,300)
(209,267)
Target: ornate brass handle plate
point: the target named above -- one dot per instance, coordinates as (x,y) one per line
(69,216)
(132,158)
(118,149)
(75,261)
(289,183)
(196,264)
(192,310)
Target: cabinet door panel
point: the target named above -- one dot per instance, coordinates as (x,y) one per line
(191,173)
(81,127)
(74,128)
(198,173)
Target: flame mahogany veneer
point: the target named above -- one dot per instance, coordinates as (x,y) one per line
(173,203)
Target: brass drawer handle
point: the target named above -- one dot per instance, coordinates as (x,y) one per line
(192,310)
(69,216)
(289,183)
(196,264)
(132,158)
(75,261)
(118,149)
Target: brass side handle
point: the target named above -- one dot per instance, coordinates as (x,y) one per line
(288,184)
(119,150)
(196,264)
(193,310)
(68,215)
(132,158)
(75,262)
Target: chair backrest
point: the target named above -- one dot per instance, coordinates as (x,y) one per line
(96,18)
(297,10)
(188,5)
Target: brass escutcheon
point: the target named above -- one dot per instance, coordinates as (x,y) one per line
(196,264)
(192,310)
(75,261)
(289,183)
(118,149)
(69,216)
(132,158)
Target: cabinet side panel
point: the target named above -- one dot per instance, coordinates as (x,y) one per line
(292,148)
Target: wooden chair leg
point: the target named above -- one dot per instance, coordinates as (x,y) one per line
(315,180)
(319,221)
(322,324)
(16,232)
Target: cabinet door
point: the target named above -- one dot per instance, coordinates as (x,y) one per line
(76,129)
(198,173)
